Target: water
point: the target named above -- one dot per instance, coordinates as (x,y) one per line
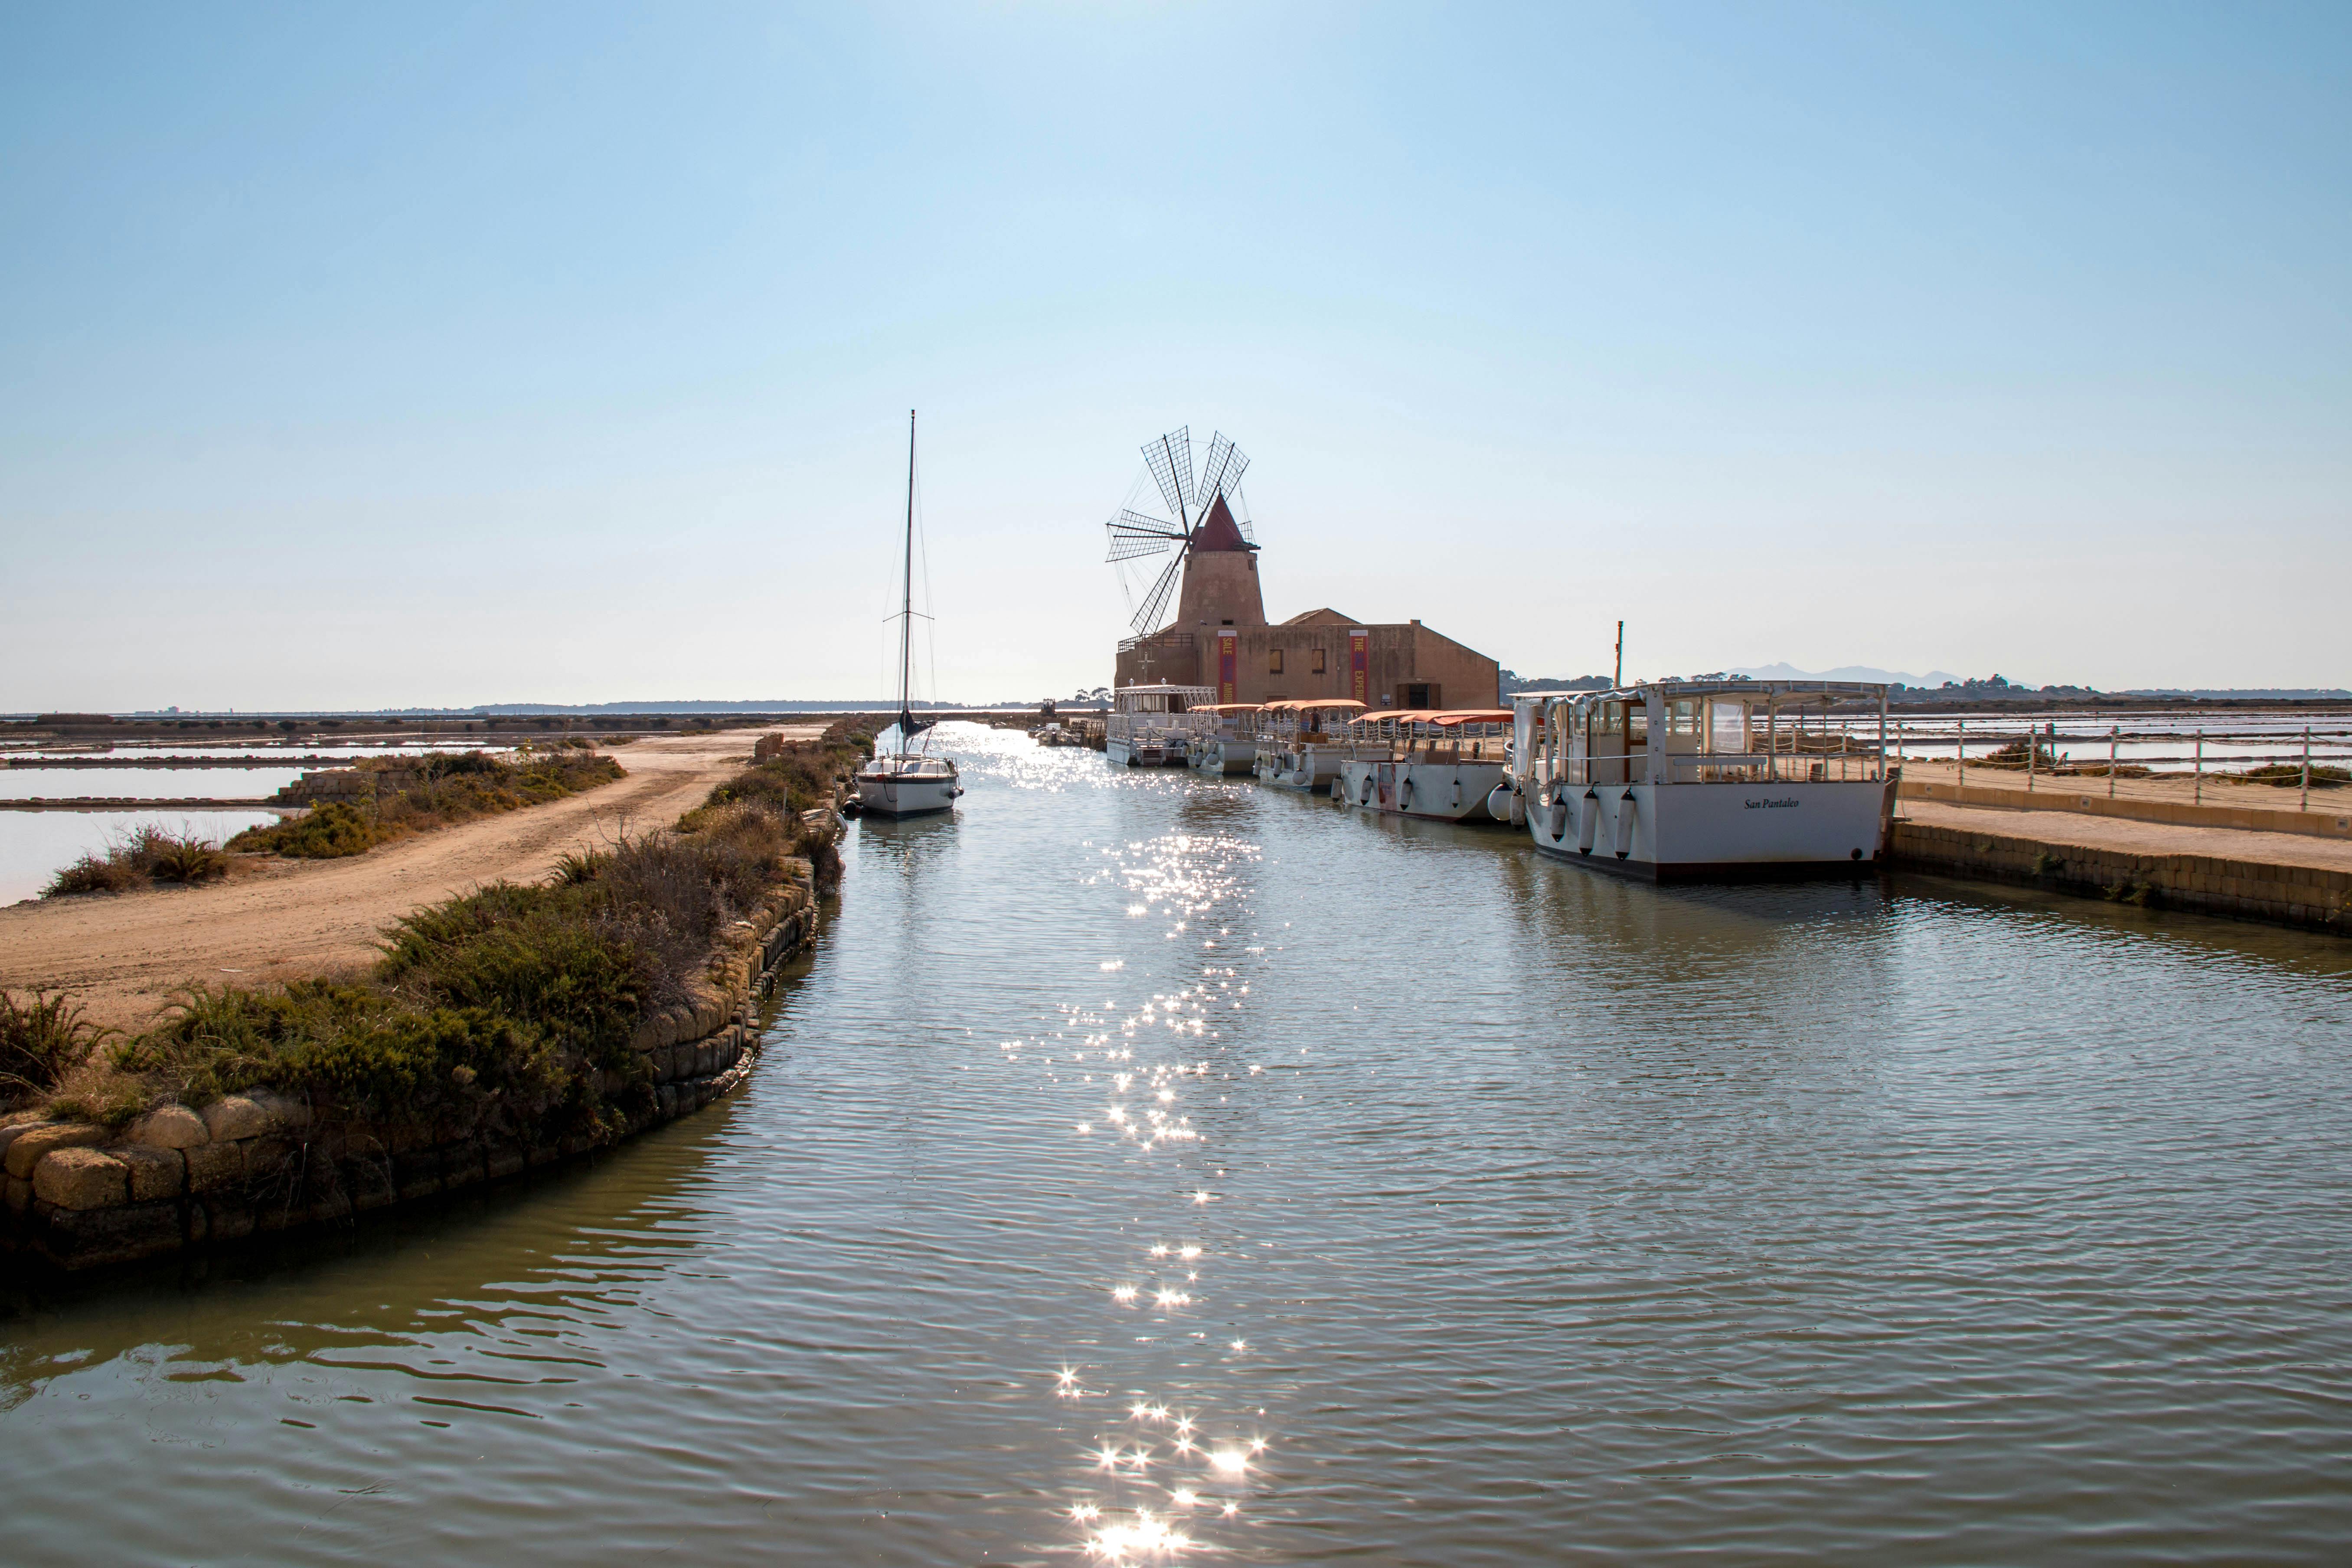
(1539,1217)
(35,845)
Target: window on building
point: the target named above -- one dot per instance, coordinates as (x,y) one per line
(1319,661)
(1274,662)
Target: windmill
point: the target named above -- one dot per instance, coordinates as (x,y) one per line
(1206,507)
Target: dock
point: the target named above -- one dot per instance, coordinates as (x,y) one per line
(2235,854)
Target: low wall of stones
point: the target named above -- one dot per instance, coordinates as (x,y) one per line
(182,1178)
(2306,896)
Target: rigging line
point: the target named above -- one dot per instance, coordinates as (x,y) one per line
(930,641)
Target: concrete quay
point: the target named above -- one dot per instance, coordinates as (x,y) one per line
(2299,876)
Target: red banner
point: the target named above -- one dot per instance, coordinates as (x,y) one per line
(1228,655)
(1360,666)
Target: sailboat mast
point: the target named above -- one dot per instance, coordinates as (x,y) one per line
(907,603)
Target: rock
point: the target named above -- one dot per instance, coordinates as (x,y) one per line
(213,1166)
(18,1193)
(170,1127)
(81,1178)
(32,1144)
(234,1116)
(155,1174)
(84,1239)
(285,1111)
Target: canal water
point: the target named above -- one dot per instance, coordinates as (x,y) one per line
(1148,1169)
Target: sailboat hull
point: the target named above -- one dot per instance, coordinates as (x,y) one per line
(902,795)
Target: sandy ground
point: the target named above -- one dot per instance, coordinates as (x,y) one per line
(2134,838)
(124,954)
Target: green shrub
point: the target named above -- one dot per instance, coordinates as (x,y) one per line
(147,855)
(328,831)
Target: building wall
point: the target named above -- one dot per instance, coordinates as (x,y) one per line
(1401,657)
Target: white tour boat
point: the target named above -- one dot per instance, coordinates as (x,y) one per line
(1295,747)
(1152,726)
(1231,747)
(1441,764)
(905,781)
(1701,780)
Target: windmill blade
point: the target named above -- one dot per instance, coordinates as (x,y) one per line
(1170,459)
(1127,543)
(1155,603)
(1222,474)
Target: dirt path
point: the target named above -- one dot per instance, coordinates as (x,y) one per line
(124,954)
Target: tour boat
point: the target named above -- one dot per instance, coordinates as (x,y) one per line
(1423,763)
(1152,726)
(1701,780)
(1231,747)
(905,781)
(1294,748)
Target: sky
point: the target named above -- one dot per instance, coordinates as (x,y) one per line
(367,356)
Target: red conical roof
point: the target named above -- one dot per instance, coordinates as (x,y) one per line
(1219,531)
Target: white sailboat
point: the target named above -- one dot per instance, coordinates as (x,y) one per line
(905,781)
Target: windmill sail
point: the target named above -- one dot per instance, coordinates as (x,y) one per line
(1155,603)
(1170,459)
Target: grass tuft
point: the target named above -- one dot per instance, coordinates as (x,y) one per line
(144,856)
(41,1040)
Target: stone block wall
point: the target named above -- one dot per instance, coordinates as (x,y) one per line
(2306,896)
(179,1179)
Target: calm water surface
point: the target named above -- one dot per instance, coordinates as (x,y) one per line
(1141,1158)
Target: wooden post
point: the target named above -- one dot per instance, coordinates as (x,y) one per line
(1882,734)
(2304,803)
(1960,751)
(2032,756)
(2199,797)
(2115,734)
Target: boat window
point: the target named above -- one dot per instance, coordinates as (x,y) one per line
(1683,718)
(1609,719)
(1727,728)
(1637,724)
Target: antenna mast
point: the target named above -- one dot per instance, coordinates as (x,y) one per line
(1616,680)
(906,603)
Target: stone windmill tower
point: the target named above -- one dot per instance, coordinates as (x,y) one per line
(1215,566)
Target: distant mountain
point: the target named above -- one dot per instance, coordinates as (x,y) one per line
(1513,680)
(1844,672)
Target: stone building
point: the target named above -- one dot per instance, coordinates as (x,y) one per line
(1221,638)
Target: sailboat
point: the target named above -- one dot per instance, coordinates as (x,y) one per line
(904,781)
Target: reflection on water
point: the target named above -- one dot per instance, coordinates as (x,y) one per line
(1152,1169)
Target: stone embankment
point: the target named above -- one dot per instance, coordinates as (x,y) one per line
(2209,870)
(182,1178)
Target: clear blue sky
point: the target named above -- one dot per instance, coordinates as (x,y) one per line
(363,355)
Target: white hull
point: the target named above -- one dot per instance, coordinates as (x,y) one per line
(1144,753)
(1711,832)
(907,795)
(1309,768)
(1444,791)
(1226,758)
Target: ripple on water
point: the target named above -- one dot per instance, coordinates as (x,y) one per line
(1150,1168)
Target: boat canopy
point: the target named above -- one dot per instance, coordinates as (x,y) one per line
(1304,704)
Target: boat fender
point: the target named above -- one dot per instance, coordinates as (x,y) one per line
(1405,795)
(1556,818)
(1498,802)
(1592,824)
(1368,789)
(1340,790)
(1457,793)
(1625,808)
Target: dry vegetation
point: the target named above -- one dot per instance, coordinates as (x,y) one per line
(446,788)
(509,1009)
